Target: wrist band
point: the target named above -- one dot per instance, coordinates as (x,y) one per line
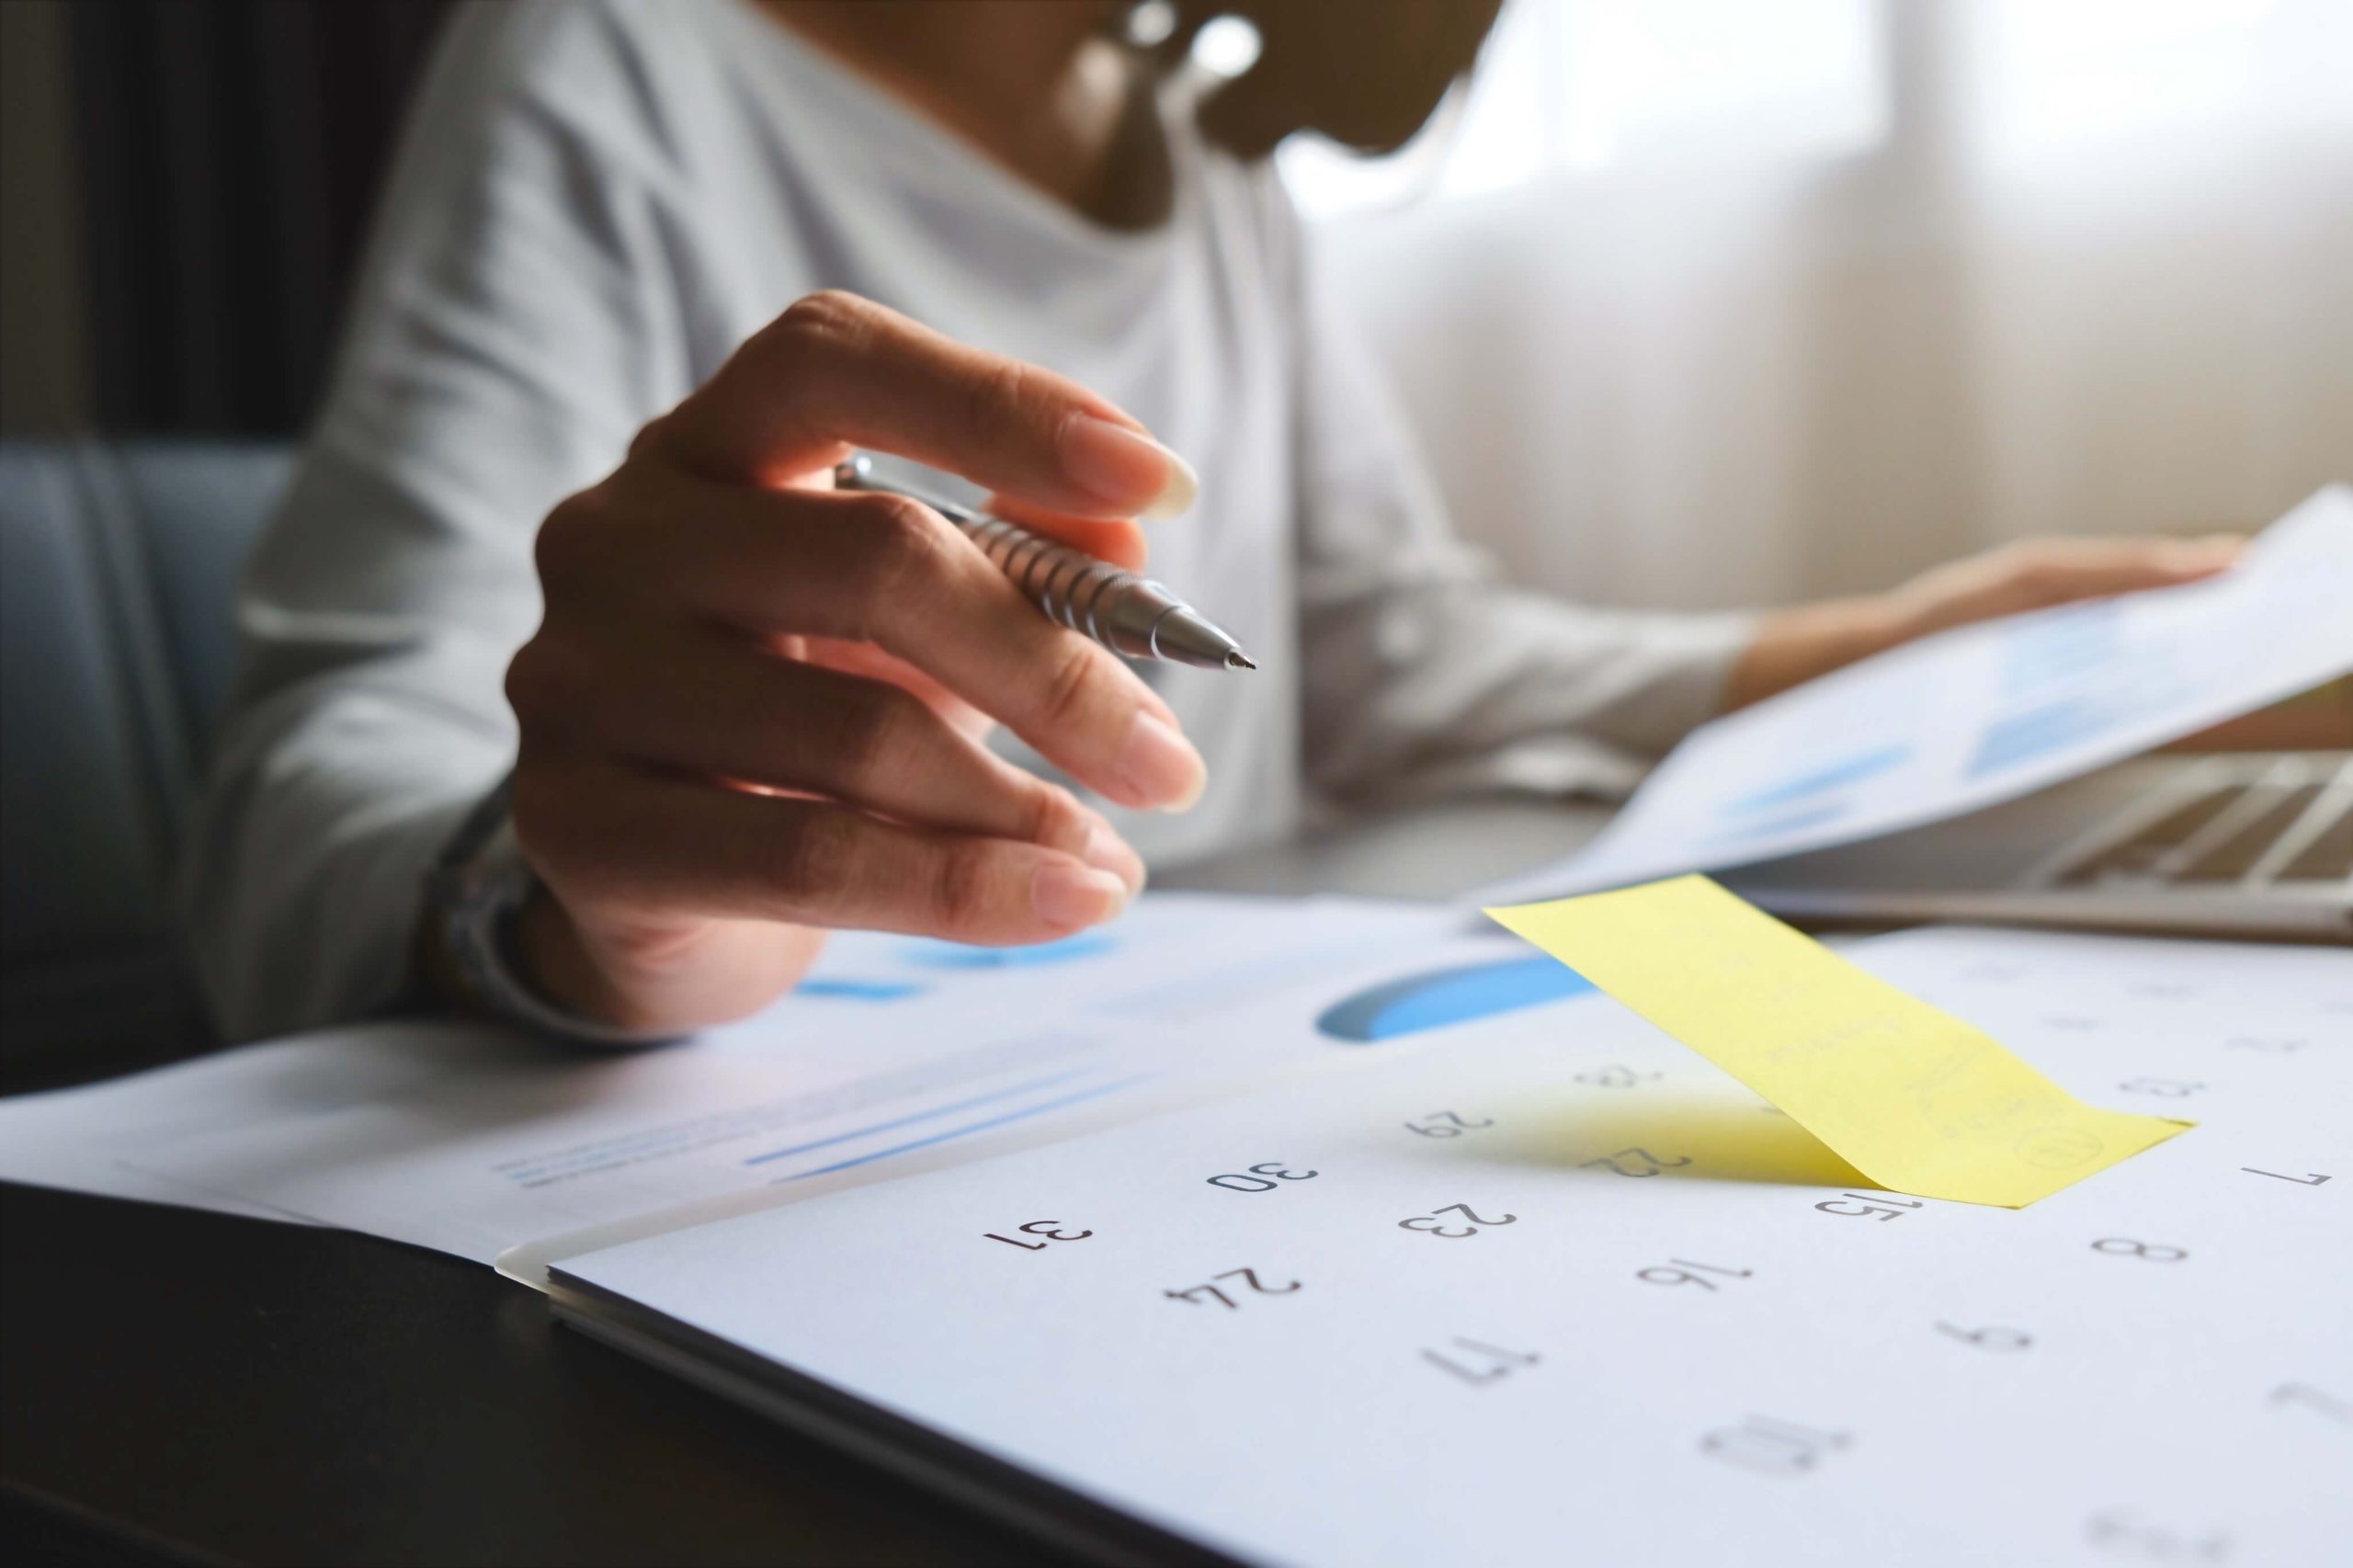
(474,893)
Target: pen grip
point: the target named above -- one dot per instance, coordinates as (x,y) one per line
(1090,596)
(1116,607)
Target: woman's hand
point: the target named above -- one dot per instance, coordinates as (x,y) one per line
(754,708)
(1795,645)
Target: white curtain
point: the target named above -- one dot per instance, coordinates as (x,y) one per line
(1707,303)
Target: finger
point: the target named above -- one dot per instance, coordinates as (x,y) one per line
(710,704)
(836,371)
(883,569)
(2062,572)
(685,849)
(866,659)
(1121,542)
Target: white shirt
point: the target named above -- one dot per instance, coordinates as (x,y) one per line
(595,201)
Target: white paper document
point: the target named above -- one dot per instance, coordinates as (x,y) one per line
(895,1052)
(1984,713)
(1532,1284)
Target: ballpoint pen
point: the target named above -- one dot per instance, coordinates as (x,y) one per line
(1127,614)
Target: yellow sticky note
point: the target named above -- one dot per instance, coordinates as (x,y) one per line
(1914,1098)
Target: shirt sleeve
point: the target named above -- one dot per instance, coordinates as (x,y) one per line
(511,332)
(1426,671)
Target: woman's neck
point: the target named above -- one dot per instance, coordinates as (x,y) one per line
(1034,84)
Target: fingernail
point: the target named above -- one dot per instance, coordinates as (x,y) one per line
(1069,897)
(1106,851)
(1160,767)
(1127,468)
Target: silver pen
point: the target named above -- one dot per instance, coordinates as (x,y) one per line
(1130,615)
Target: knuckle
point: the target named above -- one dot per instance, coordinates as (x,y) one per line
(960,888)
(820,324)
(556,550)
(998,398)
(533,680)
(1052,816)
(870,731)
(806,857)
(903,545)
(1069,685)
(564,549)
(650,438)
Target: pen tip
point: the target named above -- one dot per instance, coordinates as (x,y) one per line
(1239,661)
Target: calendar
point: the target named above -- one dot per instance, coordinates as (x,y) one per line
(1509,1277)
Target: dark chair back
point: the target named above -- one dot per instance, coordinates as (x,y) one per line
(119,564)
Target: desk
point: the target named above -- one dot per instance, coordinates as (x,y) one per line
(179,1386)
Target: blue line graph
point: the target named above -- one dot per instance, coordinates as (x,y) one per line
(1830,775)
(911,1121)
(2027,736)
(934,954)
(1011,1116)
(2064,644)
(862,990)
(1807,816)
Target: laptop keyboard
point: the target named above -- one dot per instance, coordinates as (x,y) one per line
(2289,822)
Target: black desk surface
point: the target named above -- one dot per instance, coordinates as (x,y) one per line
(183,1386)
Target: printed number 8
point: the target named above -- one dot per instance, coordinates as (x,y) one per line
(2156,1252)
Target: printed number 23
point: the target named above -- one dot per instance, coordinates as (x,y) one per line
(1429,1225)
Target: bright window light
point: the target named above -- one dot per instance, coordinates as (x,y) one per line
(2096,70)
(1592,85)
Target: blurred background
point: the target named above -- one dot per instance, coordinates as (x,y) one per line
(1698,303)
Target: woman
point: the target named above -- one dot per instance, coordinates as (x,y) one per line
(667,258)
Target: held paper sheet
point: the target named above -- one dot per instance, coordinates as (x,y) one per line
(1984,713)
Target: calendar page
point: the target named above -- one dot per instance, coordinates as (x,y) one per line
(1511,1283)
